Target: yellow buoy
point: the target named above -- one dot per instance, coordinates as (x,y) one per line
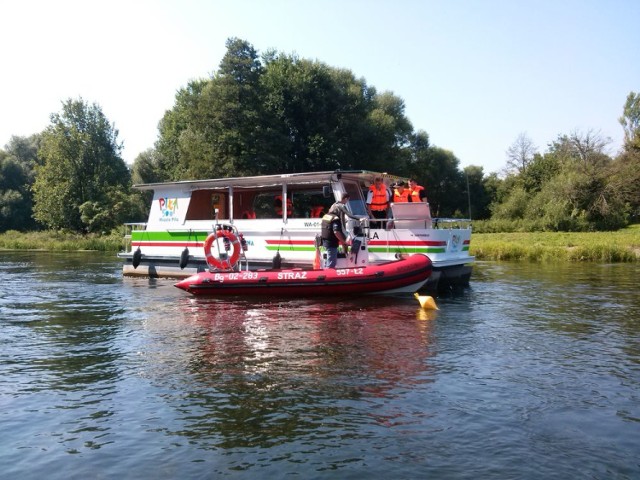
(426,301)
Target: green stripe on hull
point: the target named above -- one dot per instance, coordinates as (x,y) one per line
(407,250)
(168,236)
(289,248)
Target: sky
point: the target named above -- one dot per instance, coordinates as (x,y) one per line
(474,74)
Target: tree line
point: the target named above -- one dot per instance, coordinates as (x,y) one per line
(278,113)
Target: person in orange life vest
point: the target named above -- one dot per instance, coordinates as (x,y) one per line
(418,193)
(378,201)
(401,194)
(278,205)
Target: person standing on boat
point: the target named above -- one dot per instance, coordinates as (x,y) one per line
(332,231)
(401,194)
(378,199)
(418,193)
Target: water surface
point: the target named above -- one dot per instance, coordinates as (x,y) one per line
(533,372)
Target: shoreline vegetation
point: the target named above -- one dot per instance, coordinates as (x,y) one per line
(619,246)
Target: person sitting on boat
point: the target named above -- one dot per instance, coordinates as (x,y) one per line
(378,201)
(278,205)
(418,193)
(317,211)
(401,194)
(332,231)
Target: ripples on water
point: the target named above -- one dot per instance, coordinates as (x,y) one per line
(533,372)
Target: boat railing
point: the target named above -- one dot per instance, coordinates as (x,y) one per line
(452,223)
(426,223)
(128,228)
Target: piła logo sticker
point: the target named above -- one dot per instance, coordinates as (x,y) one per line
(168,208)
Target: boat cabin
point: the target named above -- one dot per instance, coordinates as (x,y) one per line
(294,196)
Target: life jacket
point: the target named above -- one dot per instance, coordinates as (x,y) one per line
(379,201)
(278,205)
(401,197)
(248,214)
(415,193)
(316,211)
(325,226)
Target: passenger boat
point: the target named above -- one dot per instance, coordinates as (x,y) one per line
(281,214)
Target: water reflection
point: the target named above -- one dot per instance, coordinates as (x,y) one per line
(262,373)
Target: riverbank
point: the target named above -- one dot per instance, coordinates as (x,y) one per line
(620,246)
(60,241)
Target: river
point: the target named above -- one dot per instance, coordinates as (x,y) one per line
(532,372)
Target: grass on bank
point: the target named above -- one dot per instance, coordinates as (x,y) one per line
(60,241)
(620,246)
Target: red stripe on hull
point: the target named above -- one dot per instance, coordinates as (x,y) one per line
(289,242)
(408,243)
(167,244)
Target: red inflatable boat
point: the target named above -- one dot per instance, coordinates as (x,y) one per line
(406,275)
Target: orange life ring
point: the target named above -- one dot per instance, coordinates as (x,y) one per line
(215,262)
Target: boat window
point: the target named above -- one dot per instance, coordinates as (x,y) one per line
(203,204)
(356,201)
(243,204)
(310,202)
(304,201)
(264,204)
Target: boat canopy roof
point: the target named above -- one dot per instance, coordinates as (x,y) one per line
(363,176)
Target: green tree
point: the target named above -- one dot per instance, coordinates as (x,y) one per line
(214,129)
(281,115)
(567,188)
(539,171)
(630,121)
(325,118)
(17,174)
(625,170)
(79,184)
(148,168)
(480,194)
(437,170)
(174,127)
